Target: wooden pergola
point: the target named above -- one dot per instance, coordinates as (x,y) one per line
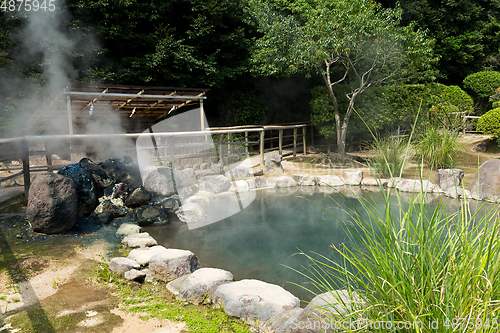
(138,107)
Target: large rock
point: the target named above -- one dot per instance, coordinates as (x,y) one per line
(325,312)
(238,172)
(254,300)
(446,178)
(127,229)
(190,213)
(216,184)
(304,179)
(260,182)
(142,239)
(329,180)
(285,181)
(198,284)
(272,165)
(160,181)
(52,204)
(352,177)
(87,199)
(184,178)
(139,197)
(123,170)
(170,204)
(122,265)
(114,206)
(148,215)
(201,200)
(416,185)
(486,181)
(172,263)
(374,182)
(240,186)
(143,255)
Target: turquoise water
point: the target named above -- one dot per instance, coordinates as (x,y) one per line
(258,241)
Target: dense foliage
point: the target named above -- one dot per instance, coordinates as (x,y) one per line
(489,123)
(466,33)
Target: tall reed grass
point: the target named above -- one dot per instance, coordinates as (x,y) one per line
(436,147)
(427,268)
(390,157)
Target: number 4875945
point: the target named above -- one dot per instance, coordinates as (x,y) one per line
(27,5)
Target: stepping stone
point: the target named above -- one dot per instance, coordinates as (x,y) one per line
(199,283)
(143,255)
(122,264)
(170,264)
(325,310)
(127,229)
(254,300)
(139,240)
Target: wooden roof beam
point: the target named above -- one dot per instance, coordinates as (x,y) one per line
(94,100)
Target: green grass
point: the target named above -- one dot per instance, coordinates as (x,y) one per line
(154,301)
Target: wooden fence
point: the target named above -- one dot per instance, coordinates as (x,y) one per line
(224,144)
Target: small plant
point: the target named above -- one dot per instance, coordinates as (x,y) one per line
(390,156)
(436,147)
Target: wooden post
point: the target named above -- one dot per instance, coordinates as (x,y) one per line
(26,167)
(246,142)
(171,148)
(48,155)
(280,141)
(262,148)
(312,135)
(295,142)
(304,139)
(221,152)
(229,138)
(271,138)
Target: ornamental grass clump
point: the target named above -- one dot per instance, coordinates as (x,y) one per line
(390,157)
(437,146)
(419,269)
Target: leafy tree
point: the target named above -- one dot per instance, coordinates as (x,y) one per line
(450,103)
(356,42)
(466,33)
(167,43)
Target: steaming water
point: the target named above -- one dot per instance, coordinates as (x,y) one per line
(257,242)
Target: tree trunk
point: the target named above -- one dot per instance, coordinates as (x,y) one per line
(343,131)
(335,107)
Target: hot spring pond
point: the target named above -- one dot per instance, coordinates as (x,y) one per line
(260,240)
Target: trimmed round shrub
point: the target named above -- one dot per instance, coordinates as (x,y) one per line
(489,123)
(483,84)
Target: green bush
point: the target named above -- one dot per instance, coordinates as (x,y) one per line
(483,84)
(489,123)
(436,147)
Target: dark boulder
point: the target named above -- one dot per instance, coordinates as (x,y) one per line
(101,176)
(151,215)
(124,170)
(52,204)
(105,217)
(109,206)
(170,204)
(139,197)
(87,199)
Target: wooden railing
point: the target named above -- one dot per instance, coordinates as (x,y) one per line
(226,142)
